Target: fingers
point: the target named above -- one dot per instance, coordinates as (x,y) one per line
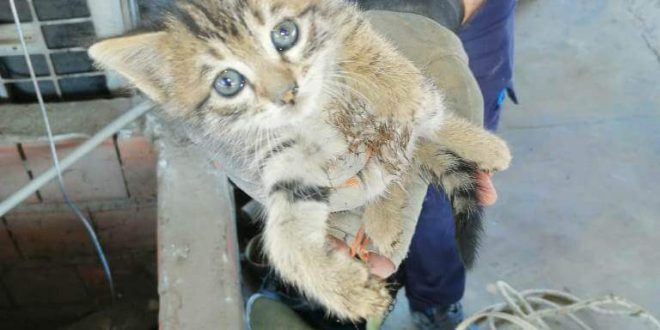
(470,7)
(486,192)
(338,245)
(378,265)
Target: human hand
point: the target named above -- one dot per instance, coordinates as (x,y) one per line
(486,192)
(379,266)
(470,7)
(383,267)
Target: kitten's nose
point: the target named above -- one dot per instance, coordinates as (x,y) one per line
(288,94)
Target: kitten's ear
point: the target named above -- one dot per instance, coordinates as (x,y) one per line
(140,58)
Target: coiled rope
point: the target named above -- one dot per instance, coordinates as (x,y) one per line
(530,309)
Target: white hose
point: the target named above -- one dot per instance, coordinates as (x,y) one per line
(84,149)
(528,309)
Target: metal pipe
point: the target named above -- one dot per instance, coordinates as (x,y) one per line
(89,145)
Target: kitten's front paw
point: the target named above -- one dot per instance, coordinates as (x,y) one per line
(368,299)
(353,293)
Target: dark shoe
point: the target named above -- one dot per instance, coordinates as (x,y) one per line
(439,318)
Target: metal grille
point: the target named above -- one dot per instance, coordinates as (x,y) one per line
(58,33)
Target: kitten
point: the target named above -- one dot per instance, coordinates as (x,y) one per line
(285,90)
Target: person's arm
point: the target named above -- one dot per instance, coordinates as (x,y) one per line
(448,13)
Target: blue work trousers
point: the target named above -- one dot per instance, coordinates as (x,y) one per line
(433,274)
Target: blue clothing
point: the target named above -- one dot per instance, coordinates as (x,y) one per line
(488,41)
(433,273)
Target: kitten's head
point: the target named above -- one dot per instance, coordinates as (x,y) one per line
(244,64)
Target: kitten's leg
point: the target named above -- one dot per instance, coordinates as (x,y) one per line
(390,221)
(295,241)
(383,221)
(453,155)
(473,143)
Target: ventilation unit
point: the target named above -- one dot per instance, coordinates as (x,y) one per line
(58,33)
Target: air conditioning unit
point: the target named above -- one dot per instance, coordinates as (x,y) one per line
(58,33)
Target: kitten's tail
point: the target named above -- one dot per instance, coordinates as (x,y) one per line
(456,176)
(453,156)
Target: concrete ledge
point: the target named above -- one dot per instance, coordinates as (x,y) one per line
(23,122)
(199,282)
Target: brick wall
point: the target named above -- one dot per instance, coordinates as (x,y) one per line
(49,273)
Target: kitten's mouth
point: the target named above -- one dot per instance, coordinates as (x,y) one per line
(295,105)
(296,112)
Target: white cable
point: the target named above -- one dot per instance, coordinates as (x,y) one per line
(528,309)
(85,148)
(53,151)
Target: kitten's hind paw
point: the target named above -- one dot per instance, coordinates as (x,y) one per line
(474,144)
(495,156)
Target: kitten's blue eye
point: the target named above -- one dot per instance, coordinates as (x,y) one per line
(229,83)
(284,35)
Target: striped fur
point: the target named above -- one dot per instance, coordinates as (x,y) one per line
(457,178)
(356,94)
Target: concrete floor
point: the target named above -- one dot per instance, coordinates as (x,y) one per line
(580,206)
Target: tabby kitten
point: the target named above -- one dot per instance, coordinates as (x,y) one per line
(287,89)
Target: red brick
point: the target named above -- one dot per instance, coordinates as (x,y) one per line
(97,176)
(124,269)
(7,249)
(44,317)
(49,285)
(139,163)
(14,175)
(94,279)
(128,229)
(49,235)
